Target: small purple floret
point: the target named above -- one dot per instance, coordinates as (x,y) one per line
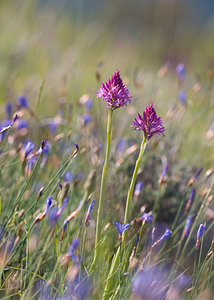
(180,70)
(166,234)
(149,123)
(74,245)
(148,218)
(200,232)
(138,188)
(22,102)
(114,92)
(121,227)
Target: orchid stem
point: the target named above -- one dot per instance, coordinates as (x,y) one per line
(102,188)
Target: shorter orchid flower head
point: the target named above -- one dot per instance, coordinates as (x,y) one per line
(114,92)
(149,123)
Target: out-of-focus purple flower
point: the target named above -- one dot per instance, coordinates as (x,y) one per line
(88,104)
(149,123)
(138,188)
(45,153)
(150,283)
(79,288)
(85,119)
(52,127)
(8,109)
(55,213)
(187,227)
(164,237)
(182,97)
(163,174)
(180,69)
(198,173)
(114,92)
(5,125)
(88,215)
(44,213)
(121,227)
(48,204)
(21,124)
(68,177)
(147,217)
(182,282)
(29,147)
(121,146)
(191,198)
(74,245)
(200,233)
(22,102)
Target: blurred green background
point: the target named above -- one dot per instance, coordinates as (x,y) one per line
(66,43)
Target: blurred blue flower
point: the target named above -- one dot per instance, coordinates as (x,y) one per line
(121,227)
(54,213)
(180,69)
(182,97)
(147,217)
(22,102)
(8,109)
(85,119)
(121,146)
(68,177)
(138,188)
(28,148)
(88,215)
(187,227)
(88,104)
(74,245)
(150,284)
(21,124)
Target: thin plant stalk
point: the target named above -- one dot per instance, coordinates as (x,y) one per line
(131,188)
(102,187)
(111,278)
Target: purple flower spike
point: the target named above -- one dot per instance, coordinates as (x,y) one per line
(187,227)
(114,92)
(121,227)
(68,177)
(8,109)
(182,98)
(166,234)
(138,188)
(48,204)
(149,123)
(72,248)
(29,147)
(200,232)
(22,102)
(88,215)
(148,218)
(198,173)
(180,70)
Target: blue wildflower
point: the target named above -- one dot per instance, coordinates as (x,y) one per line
(164,237)
(74,245)
(138,188)
(22,102)
(187,227)
(68,177)
(85,119)
(88,215)
(8,109)
(180,71)
(147,217)
(182,97)
(121,227)
(21,124)
(200,233)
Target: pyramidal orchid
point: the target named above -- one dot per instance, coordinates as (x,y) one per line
(116,95)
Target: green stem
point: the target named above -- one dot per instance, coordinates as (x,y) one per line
(111,280)
(102,187)
(131,188)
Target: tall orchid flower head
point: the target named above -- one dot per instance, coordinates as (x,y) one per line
(114,92)
(149,123)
